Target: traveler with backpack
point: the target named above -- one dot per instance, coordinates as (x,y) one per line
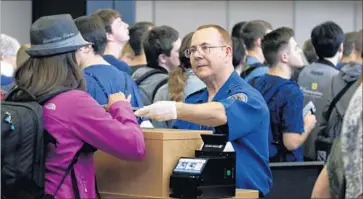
(133,52)
(117,37)
(315,79)
(252,34)
(336,100)
(341,176)
(75,123)
(289,127)
(102,78)
(239,54)
(161,46)
(352,49)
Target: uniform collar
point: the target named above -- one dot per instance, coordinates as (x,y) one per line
(223,92)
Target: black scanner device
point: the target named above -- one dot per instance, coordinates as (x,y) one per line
(210,174)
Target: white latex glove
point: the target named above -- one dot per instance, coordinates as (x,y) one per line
(160,111)
(146,124)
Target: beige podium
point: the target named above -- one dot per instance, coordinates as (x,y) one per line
(149,178)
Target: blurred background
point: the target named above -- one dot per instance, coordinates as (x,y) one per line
(186,16)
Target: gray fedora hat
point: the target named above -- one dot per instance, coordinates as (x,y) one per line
(55,34)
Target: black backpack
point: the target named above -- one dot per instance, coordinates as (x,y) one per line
(326,136)
(147,99)
(24,145)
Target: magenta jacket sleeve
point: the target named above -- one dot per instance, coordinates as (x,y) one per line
(116,133)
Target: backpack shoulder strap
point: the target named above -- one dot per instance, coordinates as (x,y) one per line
(99,83)
(273,90)
(44,98)
(249,70)
(270,93)
(157,87)
(147,75)
(337,98)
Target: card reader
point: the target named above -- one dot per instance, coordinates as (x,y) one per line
(210,174)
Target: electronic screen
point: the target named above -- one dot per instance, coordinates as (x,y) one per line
(186,165)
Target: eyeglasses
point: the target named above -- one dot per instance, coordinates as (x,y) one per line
(204,49)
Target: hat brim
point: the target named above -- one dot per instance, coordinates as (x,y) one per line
(68,45)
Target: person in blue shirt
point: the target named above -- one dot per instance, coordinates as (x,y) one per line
(228,105)
(283,96)
(102,78)
(117,35)
(252,34)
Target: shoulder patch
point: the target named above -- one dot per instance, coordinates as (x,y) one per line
(239,96)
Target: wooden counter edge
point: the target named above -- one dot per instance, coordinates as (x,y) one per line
(172,134)
(240,193)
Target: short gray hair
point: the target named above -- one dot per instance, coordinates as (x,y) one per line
(8,45)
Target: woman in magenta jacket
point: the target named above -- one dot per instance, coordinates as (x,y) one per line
(74,118)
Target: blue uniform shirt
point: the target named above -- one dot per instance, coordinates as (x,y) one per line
(286,109)
(103,80)
(248,125)
(122,66)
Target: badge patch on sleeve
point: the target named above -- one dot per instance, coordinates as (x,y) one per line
(239,96)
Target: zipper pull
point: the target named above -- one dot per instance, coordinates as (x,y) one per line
(84,186)
(9,120)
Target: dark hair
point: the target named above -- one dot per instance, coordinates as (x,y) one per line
(352,38)
(252,31)
(107,16)
(239,51)
(93,31)
(178,77)
(267,24)
(137,33)
(46,75)
(327,38)
(309,51)
(275,41)
(237,29)
(226,38)
(159,40)
(185,44)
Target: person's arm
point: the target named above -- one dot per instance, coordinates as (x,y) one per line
(116,132)
(321,188)
(242,112)
(293,140)
(331,179)
(242,115)
(209,114)
(295,128)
